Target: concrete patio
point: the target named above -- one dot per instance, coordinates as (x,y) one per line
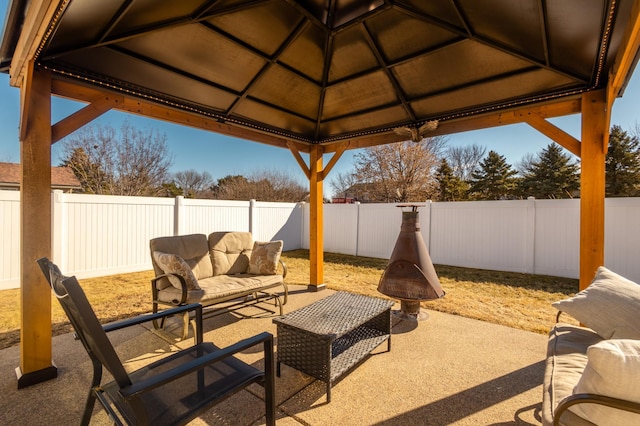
(446,370)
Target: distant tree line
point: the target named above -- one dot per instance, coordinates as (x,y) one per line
(130,161)
(415,172)
(133,162)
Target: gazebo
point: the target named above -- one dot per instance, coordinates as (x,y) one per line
(315,77)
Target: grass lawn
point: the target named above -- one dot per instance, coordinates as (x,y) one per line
(516,300)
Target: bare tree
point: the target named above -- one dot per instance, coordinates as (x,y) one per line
(463,160)
(264,185)
(128,162)
(343,182)
(193,183)
(525,164)
(400,172)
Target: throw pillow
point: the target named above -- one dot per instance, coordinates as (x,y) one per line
(264,257)
(174,264)
(609,306)
(613,369)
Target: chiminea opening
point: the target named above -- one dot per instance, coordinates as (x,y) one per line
(410,275)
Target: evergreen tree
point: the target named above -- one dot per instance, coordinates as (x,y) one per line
(622,164)
(494,180)
(450,186)
(551,175)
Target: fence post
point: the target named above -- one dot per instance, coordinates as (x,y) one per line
(178,212)
(428,225)
(357,203)
(252,217)
(530,238)
(58,229)
(301,206)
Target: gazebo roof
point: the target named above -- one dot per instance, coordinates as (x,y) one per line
(322,71)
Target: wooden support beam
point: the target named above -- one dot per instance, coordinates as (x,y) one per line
(595,138)
(316,221)
(334,159)
(464,124)
(299,159)
(81,117)
(137,106)
(35,229)
(39,14)
(626,57)
(554,133)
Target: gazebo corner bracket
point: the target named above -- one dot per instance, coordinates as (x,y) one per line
(83,116)
(554,133)
(296,154)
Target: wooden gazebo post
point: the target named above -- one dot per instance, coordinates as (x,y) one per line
(595,139)
(35,222)
(316,220)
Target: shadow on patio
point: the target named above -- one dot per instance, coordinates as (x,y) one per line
(447,370)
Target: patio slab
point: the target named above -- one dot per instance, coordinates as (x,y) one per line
(446,370)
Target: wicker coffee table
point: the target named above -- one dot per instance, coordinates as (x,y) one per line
(328,337)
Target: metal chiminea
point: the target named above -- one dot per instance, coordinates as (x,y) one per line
(410,275)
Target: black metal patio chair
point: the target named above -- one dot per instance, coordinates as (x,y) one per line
(173,390)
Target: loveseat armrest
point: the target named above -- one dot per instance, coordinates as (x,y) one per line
(183,284)
(592,398)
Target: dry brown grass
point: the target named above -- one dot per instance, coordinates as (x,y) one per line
(521,301)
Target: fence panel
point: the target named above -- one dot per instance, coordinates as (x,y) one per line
(480,234)
(207,216)
(378,229)
(10,241)
(622,237)
(341,228)
(110,234)
(277,221)
(557,238)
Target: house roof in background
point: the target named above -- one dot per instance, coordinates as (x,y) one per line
(61,177)
(321,71)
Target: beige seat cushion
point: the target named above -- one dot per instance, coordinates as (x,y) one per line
(566,360)
(230,252)
(221,287)
(193,249)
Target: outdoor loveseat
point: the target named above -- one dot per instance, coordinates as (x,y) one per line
(223,267)
(592,375)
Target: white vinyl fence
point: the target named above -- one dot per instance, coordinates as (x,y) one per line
(97,235)
(530,236)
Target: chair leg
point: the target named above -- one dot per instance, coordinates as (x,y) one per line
(88,409)
(185,325)
(286,293)
(156,326)
(91,398)
(269,384)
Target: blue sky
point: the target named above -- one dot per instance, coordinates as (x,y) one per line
(222,155)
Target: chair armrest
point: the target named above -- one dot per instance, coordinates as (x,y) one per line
(284,269)
(139,388)
(183,284)
(592,398)
(150,317)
